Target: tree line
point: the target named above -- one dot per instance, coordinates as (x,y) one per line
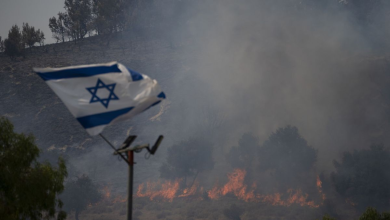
(19,39)
(88,17)
(81,18)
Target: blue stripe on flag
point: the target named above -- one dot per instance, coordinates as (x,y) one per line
(91,121)
(79,72)
(136,76)
(162,95)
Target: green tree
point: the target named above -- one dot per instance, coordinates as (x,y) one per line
(79,194)
(187,159)
(1,45)
(57,27)
(289,156)
(363,177)
(373,214)
(28,189)
(243,155)
(78,16)
(29,35)
(110,15)
(40,37)
(13,45)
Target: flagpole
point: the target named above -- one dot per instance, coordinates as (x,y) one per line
(112,146)
(130,157)
(130,161)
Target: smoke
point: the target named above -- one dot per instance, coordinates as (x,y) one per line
(268,64)
(232,67)
(238,67)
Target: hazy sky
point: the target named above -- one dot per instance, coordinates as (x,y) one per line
(34,12)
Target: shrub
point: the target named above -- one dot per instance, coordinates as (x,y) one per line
(373,214)
(288,155)
(187,159)
(364,178)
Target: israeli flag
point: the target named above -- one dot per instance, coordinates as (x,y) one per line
(102,94)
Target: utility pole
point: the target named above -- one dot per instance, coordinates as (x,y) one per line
(130,157)
(124,149)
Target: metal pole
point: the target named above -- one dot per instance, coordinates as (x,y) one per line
(112,146)
(130,157)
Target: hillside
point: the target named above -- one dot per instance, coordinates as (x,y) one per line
(34,108)
(359,85)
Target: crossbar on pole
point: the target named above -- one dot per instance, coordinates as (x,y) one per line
(112,146)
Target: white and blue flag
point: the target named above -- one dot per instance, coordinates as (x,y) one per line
(102,94)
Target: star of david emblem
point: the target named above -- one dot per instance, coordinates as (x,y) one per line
(104,100)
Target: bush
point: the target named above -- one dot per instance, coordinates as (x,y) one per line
(79,194)
(243,155)
(289,156)
(364,178)
(373,214)
(1,45)
(187,159)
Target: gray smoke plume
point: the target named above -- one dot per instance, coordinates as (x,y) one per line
(268,64)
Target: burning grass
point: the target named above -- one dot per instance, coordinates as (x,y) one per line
(170,190)
(166,200)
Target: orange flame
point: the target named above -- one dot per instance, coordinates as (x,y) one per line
(106,192)
(319,187)
(107,196)
(294,197)
(119,199)
(168,190)
(189,191)
(235,186)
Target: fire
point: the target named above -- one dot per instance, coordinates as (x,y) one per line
(319,187)
(106,192)
(235,186)
(169,190)
(119,199)
(190,191)
(107,196)
(294,197)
